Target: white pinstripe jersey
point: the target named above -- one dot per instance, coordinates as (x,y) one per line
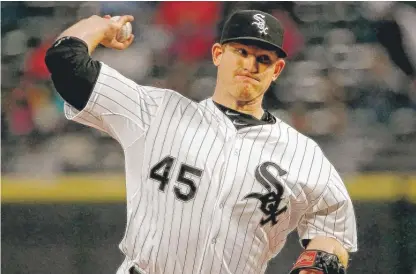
(203,197)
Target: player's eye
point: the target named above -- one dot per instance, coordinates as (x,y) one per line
(242,52)
(264,59)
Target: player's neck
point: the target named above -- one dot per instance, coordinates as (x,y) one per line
(253,107)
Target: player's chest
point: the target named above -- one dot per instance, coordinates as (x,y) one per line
(204,141)
(209,150)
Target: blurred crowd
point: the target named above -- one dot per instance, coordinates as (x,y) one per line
(349,82)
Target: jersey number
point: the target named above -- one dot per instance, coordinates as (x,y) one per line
(161,173)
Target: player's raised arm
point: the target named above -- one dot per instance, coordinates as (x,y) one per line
(97,30)
(95,94)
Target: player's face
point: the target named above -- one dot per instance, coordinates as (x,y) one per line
(245,71)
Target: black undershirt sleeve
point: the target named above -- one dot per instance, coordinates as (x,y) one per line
(73,71)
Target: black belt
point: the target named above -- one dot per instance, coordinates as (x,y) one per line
(134,270)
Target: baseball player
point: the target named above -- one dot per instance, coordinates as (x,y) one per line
(214,186)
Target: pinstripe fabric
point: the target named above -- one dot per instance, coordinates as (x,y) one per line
(202,196)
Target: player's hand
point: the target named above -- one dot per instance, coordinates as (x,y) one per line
(97,30)
(109,39)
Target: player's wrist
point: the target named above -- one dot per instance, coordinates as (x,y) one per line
(330,245)
(91,41)
(319,262)
(90,30)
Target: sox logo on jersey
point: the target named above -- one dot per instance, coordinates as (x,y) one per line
(271,201)
(204,197)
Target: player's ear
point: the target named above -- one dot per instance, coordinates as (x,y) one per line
(278,67)
(217,51)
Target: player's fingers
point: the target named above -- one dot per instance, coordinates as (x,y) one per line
(107,16)
(117,45)
(125,44)
(125,18)
(129,40)
(122,45)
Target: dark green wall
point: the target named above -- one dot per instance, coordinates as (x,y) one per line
(67,238)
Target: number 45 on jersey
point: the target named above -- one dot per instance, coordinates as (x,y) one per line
(161,173)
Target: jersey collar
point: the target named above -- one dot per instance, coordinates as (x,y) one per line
(241,120)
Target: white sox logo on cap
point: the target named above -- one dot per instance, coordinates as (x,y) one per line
(260,23)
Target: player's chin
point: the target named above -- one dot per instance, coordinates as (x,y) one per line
(247,86)
(246,93)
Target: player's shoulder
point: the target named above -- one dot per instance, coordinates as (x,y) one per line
(297,144)
(304,148)
(294,134)
(111,74)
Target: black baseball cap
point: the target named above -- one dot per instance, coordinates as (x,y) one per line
(254,27)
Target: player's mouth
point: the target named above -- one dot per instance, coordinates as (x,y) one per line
(246,78)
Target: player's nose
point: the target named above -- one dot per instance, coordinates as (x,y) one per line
(250,64)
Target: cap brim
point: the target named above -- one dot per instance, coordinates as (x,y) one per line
(264,44)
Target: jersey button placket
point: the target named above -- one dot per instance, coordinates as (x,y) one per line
(237,145)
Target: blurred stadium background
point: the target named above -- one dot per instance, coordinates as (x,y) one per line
(349,83)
